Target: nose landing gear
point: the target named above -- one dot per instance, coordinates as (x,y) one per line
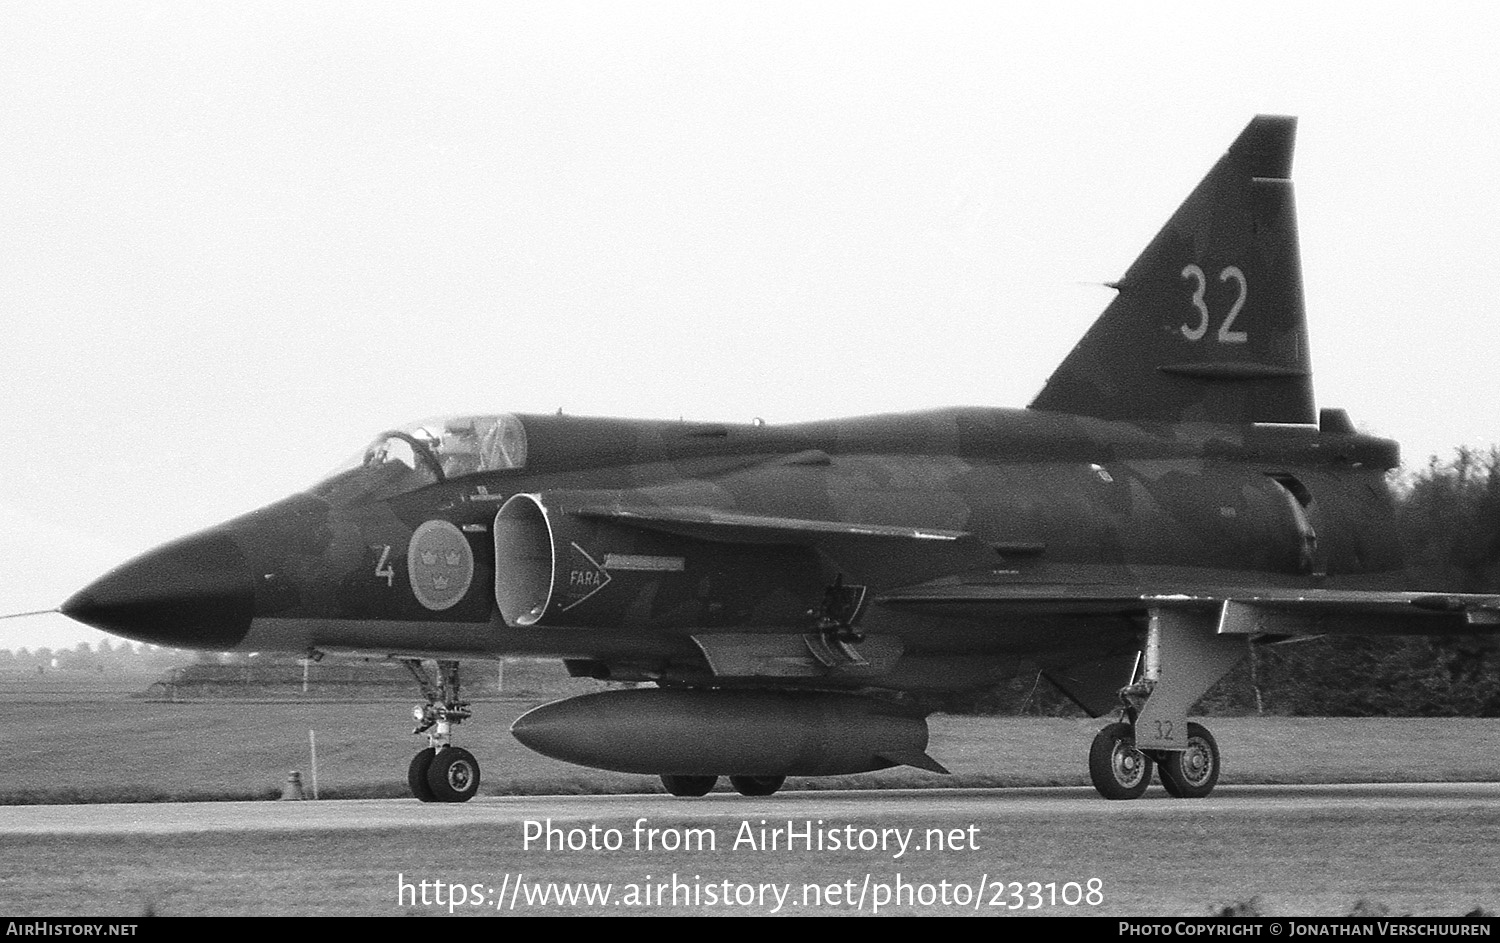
(442,772)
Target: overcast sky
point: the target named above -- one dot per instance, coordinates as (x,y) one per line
(239,240)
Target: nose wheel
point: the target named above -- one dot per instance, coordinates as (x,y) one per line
(447,775)
(453,775)
(416,775)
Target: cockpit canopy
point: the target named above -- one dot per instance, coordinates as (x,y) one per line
(424,453)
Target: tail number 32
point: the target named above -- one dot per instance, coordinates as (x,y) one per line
(1230,273)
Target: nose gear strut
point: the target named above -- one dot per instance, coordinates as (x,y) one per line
(442,772)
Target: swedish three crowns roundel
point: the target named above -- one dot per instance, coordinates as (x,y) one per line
(440,563)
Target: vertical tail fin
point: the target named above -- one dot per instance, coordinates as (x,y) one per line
(1208,324)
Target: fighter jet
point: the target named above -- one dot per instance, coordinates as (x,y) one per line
(1171,497)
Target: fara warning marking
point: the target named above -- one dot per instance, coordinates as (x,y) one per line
(585,581)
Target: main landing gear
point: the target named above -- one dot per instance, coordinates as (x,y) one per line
(442,772)
(1153,731)
(1120,771)
(1191,773)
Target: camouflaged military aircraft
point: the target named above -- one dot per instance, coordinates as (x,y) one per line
(1169,498)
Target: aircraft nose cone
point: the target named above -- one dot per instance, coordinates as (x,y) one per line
(197,592)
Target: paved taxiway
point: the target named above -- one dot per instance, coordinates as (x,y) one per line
(353,814)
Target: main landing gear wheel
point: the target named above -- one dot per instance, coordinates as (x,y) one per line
(416,775)
(453,775)
(689,785)
(1117,768)
(1191,773)
(756,785)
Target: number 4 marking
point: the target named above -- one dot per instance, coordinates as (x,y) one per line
(383,566)
(1224,335)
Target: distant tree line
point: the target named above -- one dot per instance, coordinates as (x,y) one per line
(120,656)
(111,656)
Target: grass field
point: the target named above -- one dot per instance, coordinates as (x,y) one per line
(114,750)
(1194,861)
